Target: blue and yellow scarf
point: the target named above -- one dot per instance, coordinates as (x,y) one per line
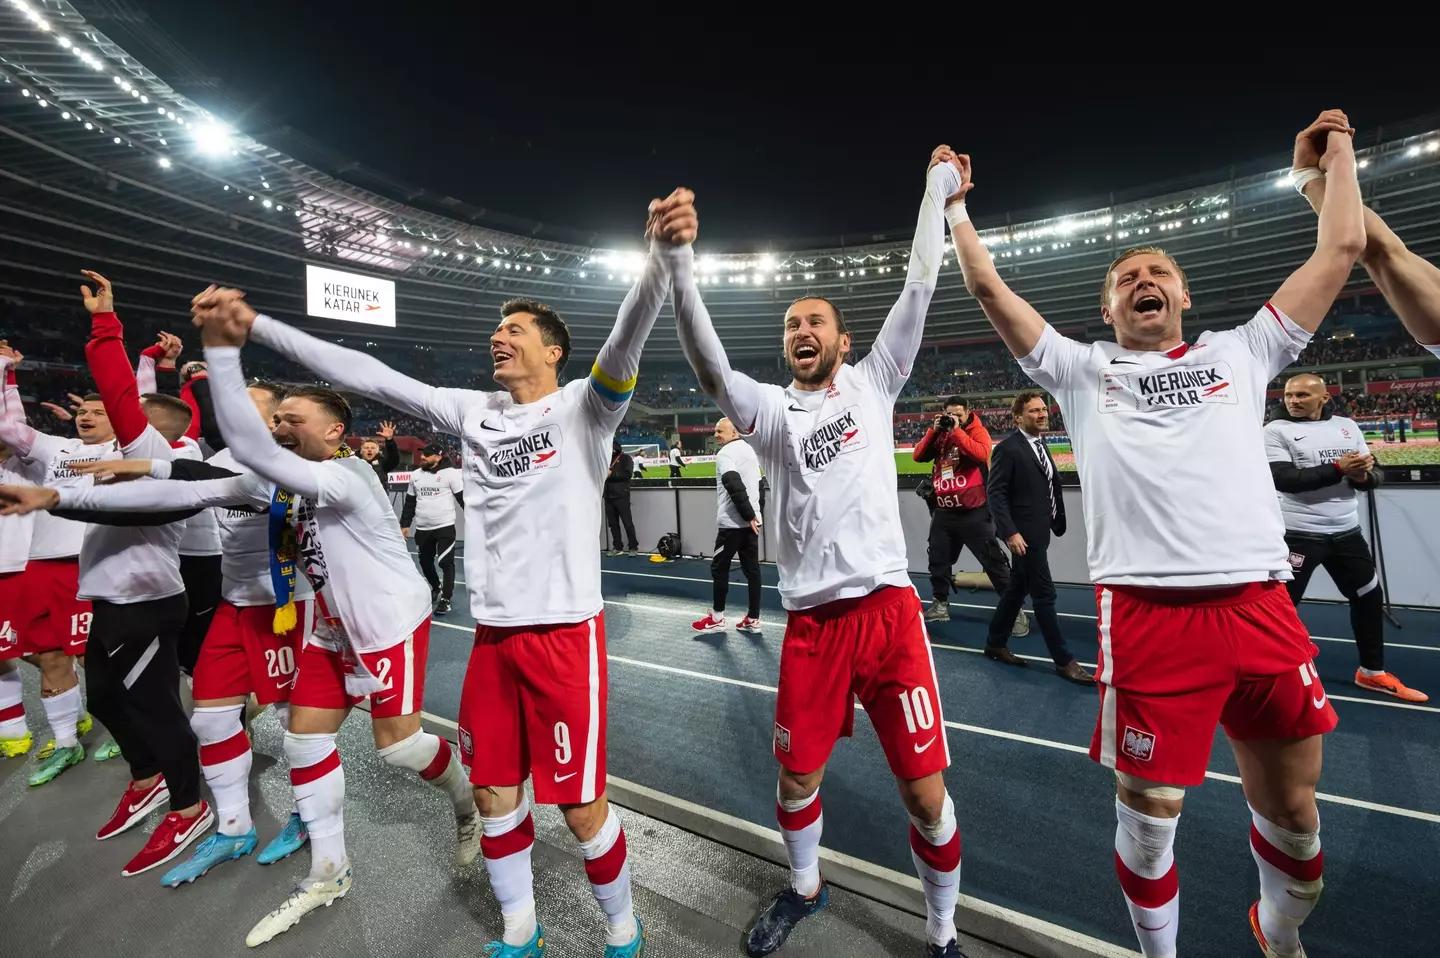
(285,551)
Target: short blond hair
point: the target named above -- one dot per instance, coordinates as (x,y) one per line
(1130,253)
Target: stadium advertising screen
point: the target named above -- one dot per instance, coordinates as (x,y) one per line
(349,297)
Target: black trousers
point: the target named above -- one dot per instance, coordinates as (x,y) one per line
(674,471)
(202,590)
(728,542)
(132,681)
(617,513)
(1346,556)
(1030,574)
(437,544)
(973,529)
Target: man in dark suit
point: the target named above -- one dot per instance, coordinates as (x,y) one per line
(1024,491)
(617,501)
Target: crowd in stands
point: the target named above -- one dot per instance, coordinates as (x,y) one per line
(52,339)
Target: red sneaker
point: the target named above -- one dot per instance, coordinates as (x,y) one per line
(170,839)
(134,805)
(709,623)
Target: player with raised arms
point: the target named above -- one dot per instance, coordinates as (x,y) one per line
(1187,550)
(855,622)
(535,457)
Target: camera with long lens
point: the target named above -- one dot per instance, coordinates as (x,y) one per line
(946,422)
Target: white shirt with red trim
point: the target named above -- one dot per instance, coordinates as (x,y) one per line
(1171,452)
(830,456)
(51,463)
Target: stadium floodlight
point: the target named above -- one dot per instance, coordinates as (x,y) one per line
(64,42)
(1432,146)
(767,262)
(164,162)
(1413,151)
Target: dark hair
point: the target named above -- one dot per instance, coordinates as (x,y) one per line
(276,391)
(93,397)
(553,331)
(839,314)
(956,401)
(175,408)
(1023,400)
(328,399)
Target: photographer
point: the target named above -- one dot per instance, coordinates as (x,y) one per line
(959,447)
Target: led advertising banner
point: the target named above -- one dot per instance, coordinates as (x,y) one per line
(349,297)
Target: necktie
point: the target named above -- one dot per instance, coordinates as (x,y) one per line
(1045,465)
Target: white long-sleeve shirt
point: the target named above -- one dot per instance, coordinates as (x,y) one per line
(830,454)
(533,471)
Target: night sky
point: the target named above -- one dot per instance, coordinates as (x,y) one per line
(578,121)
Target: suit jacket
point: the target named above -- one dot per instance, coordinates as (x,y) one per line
(1018,498)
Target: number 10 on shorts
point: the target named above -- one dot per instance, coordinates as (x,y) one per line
(919,715)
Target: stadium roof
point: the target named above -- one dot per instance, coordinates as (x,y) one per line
(105,164)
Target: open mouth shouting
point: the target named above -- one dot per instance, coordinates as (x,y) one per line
(501,357)
(1148,306)
(806,355)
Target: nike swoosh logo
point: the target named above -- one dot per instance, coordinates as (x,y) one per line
(1297,438)
(921,748)
(1148,928)
(1320,702)
(136,808)
(284,685)
(485,424)
(560,778)
(204,611)
(1126,362)
(384,700)
(795,408)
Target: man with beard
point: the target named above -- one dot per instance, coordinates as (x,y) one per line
(855,622)
(386,462)
(1187,549)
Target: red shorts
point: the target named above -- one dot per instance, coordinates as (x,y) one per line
(47,617)
(873,647)
(1174,662)
(12,588)
(242,654)
(320,677)
(534,703)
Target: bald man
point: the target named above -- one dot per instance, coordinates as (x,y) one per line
(737,491)
(1318,460)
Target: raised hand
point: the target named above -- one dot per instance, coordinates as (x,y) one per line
(674,219)
(11,353)
(173,348)
(1312,142)
(386,430)
(1337,143)
(101,300)
(223,316)
(59,412)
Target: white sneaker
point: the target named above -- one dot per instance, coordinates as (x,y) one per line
(467,838)
(302,901)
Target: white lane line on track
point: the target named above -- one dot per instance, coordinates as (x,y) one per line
(991,608)
(980,730)
(671,610)
(1063,615)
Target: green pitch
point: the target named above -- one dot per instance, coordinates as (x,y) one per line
(1422,450)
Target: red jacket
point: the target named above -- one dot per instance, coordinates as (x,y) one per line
(962,460)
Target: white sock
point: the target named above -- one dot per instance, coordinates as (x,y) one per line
(935,849)
(434,760)
(63,712)
(801,821)
(318,780)
(608,868)
(12,705)
(1371,672)
(225,758)
(1292,868)
(1145,862)
(717,616)
(506,841)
